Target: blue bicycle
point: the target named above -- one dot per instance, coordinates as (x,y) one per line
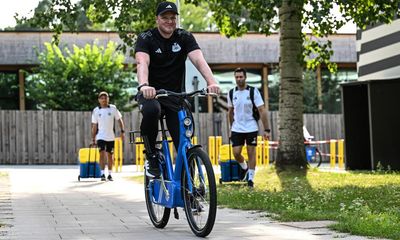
(191,184)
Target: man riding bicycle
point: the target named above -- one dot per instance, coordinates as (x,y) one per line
(160,55)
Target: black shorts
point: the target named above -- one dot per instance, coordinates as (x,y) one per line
(238,139)
(108,146)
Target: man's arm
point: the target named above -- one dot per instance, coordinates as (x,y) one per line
(94,132)
(142,64)
(122,127)
(264,119)
(197,58)
(230,116)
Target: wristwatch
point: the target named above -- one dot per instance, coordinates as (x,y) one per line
(142,85)
(267,130)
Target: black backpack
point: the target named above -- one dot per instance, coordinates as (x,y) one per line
(256,114)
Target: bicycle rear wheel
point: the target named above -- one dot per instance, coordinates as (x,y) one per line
(201,204)
(318,157)
(159,215)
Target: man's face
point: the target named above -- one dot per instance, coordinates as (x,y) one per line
(166,22)
(103,100)
(240,79)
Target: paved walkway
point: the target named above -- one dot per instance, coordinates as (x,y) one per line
(48,202)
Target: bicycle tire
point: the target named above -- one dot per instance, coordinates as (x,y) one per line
(318,157)
(159,215)
(202,202)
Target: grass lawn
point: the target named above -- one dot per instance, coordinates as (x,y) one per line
(362,203)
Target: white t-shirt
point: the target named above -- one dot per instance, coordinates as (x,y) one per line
(104,118)
(243,120)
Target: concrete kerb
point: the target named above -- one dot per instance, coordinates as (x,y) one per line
(48,202)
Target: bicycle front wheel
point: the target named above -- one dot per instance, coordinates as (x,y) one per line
(159,215)
(201,204)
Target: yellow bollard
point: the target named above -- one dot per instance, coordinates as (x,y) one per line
(341,153)
(121,154)
(218,143)
(333,153)
(118,155)
(211,148)
(259,148)
(266,153)
(171,148)
(194,140)
(139,155)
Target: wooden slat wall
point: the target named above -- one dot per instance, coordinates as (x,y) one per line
(55,137)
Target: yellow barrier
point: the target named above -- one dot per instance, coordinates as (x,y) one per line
(139,158)
(333,153)
(171,148)
(218,144)
(266,153)
(118,155)
(259,150)
(341,153)
(194,140)
(211,149)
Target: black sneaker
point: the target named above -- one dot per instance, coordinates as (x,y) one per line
(103,177)
(110,178)
(152,170)
(152,164)
(250,183)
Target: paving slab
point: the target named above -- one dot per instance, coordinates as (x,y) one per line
(48,202)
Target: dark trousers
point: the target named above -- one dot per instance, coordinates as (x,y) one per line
(151,110)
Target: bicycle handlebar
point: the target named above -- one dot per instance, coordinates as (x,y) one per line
(166,93)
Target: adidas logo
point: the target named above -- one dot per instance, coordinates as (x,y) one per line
(158,50)
(169,6)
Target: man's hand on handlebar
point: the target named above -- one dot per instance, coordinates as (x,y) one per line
(213,88)
(148,92)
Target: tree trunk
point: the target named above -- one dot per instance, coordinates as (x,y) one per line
(291,153)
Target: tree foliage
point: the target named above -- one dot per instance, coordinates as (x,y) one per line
(127,17)
(72,80)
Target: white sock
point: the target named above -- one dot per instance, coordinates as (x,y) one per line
(243,165)
(251,173)
(109,172)
(102,172)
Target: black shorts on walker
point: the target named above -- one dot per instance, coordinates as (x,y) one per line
(108,146)
(238,139)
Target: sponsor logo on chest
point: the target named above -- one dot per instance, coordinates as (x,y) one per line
(176,47)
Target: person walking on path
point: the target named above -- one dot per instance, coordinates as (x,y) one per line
(245,108)
(160,55)
(103,131)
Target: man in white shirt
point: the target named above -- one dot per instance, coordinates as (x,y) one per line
(103,134)
(244,125)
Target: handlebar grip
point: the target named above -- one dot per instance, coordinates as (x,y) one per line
(161,95)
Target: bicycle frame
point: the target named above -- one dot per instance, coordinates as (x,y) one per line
(167,189)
